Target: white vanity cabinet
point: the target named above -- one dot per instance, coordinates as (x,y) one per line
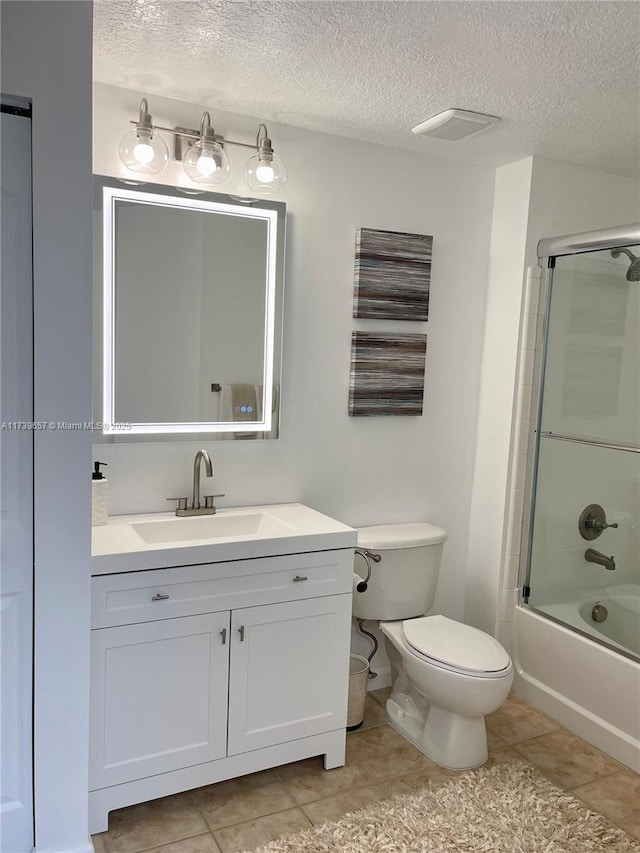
(205,672)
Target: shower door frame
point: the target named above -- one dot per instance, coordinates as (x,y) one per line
(548,250)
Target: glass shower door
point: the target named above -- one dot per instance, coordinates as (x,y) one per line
(584,568)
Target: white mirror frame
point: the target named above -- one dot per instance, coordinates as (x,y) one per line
(112,195)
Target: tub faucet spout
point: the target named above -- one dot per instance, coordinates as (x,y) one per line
(592,556)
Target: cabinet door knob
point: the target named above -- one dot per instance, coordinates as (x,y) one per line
(223,634)
(159,597)
(241,632)
(299,578)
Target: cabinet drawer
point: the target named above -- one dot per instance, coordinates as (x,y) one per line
(132,597)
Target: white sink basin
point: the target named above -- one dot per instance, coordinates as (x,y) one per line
(210,527)
(130,543)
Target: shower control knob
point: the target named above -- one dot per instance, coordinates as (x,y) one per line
(593,521)
(601,525)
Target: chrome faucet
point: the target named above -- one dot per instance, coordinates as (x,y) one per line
(195,508)
(592,556)
(200,455)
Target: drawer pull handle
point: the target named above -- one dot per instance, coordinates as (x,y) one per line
(241,632)
(223,634)
(299,578)
(159,597)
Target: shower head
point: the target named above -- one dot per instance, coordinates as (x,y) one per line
(633,273)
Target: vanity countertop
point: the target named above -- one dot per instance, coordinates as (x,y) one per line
(130,543)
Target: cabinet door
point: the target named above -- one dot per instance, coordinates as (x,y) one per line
(289,671)
(159,695)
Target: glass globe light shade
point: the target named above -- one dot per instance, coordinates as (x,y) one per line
(143,152)
(265,175)
(206,163)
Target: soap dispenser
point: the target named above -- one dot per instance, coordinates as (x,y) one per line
(100,496)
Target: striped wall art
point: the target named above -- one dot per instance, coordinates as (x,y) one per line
(392,275)
(387,374)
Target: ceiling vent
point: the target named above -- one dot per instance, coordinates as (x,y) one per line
(454,124)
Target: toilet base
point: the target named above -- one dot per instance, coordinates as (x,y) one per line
(451,740)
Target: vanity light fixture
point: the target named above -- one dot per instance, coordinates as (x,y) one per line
(143,150)
(202,153)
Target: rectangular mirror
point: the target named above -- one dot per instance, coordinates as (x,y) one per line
(188,320)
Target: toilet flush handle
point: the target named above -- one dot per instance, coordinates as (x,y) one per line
(368,556)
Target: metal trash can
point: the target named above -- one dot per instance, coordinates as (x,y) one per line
(358,676)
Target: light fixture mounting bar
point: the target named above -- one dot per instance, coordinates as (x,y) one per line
(190,133)
(185,137)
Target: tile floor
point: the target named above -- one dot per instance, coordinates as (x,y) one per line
(243,813)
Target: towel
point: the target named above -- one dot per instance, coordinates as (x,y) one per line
(245,403)
(232,400)
(240,403)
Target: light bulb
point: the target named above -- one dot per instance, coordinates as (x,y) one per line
(265,173)
(206,163)
(143,152)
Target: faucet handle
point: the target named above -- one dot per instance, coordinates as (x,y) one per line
(208,501)
(597,524)
(182,502)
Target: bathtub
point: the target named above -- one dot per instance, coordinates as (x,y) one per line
(590,688)
(620,628)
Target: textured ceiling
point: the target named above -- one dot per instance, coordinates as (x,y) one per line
(564,76)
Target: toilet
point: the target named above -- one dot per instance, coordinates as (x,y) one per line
(446,676)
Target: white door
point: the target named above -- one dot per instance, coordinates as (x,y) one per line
(16,486)
(289,671)
(158,697)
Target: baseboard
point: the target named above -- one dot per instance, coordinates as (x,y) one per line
(82,848)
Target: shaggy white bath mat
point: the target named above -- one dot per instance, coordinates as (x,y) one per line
(509,808)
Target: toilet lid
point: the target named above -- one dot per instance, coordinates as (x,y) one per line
(455,644)
(381,537)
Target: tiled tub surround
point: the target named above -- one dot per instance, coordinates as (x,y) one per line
(551,660)
(244,813)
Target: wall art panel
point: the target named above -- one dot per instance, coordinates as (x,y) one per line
(392,275)
(387,374)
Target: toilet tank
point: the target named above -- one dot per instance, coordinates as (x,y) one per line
(403,583)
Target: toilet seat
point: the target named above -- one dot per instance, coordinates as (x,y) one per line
(450,645)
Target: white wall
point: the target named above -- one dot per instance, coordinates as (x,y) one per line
(567,199)
(360,470)
(46,56)
(563,199)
